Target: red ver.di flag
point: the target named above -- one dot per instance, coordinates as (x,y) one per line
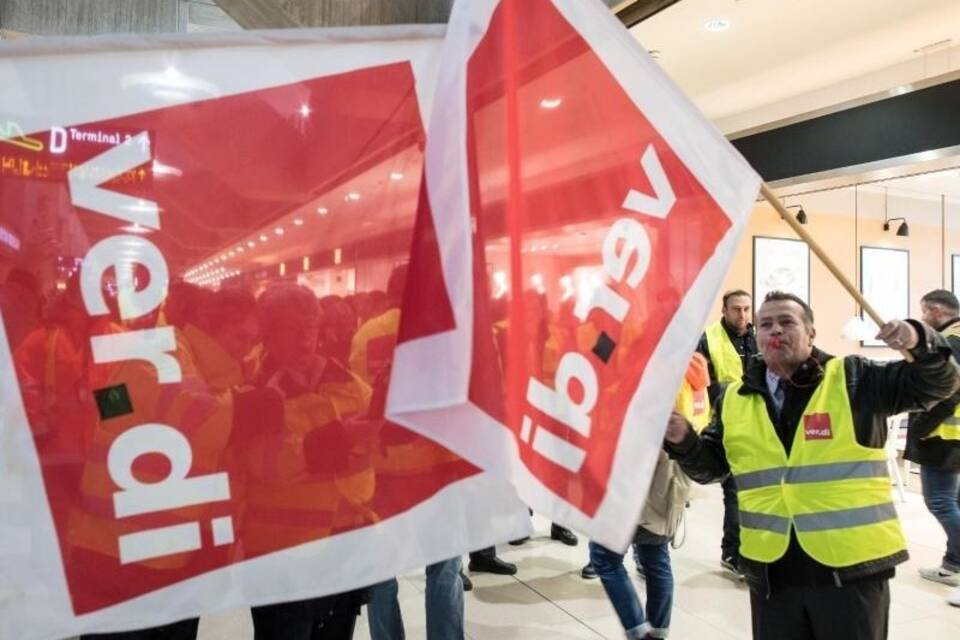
(577,219)
(203,255)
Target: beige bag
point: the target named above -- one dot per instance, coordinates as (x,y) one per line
(663,511)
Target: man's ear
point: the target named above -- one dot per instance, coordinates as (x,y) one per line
(813,333)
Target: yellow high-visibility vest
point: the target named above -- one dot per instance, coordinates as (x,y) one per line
(832,491)
(727,364)
(949,429)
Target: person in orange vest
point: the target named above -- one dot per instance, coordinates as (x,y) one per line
(728,345)
(311,476)
(542,354)
(406,460)
(53,364)
(214,333)
(22,303)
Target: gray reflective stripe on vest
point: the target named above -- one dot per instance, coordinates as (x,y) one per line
(765,522)
(811,473)
(759,479)
(952,421)
(837,471)
(845,518)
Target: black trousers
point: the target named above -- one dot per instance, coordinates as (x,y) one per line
(328,618)
(858,611)
(730,544)
(183,630)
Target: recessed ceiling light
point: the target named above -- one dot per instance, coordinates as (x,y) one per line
(551,103)
(322,211)
(278,231)
(298,222)
(396,175)
(304,110)
(263,238)
(717,24)
(251,244)
(353,196)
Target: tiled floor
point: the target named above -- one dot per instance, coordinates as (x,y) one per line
(547,598)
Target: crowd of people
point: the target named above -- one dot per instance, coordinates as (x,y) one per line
(795,436)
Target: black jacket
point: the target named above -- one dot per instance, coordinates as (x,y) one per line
(937,453)
(876,390)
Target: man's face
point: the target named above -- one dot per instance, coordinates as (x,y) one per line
(930,313)
(239,337)
(784,340)
(292,340)
(736,313)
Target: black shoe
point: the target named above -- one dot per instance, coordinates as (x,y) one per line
(731,564)
(492,565)
(519,541)
(467,582)
(564,535)
(588,572)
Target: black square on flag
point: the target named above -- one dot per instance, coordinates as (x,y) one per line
(604,347)
(113,401)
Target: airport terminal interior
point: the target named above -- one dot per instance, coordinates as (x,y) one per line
(805,90)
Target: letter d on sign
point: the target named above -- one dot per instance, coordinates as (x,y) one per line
(557,403)
(173,492)
(58,140)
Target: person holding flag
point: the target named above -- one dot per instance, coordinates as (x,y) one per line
(803,436)
(317,464)
(933,442)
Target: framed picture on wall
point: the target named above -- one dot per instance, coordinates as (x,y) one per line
(885,283)
(955,273)
(780,264)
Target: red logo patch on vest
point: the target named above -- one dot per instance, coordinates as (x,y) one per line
(816,426)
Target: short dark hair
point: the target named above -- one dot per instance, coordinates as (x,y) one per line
(733,293)
(783,296)
(943,298)
(227,306)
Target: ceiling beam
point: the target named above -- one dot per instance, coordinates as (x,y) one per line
(278,14)
(638,11)
(89,17)
(258,14)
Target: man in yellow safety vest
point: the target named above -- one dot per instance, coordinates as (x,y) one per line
(803,436)
(933,442)
(728,344)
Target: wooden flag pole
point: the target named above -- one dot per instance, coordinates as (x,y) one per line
(828,263)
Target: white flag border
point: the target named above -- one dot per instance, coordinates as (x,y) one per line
(41,105)
(448,416)
(42,609)
(733,185)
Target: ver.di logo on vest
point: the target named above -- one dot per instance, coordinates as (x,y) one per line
(816,426)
